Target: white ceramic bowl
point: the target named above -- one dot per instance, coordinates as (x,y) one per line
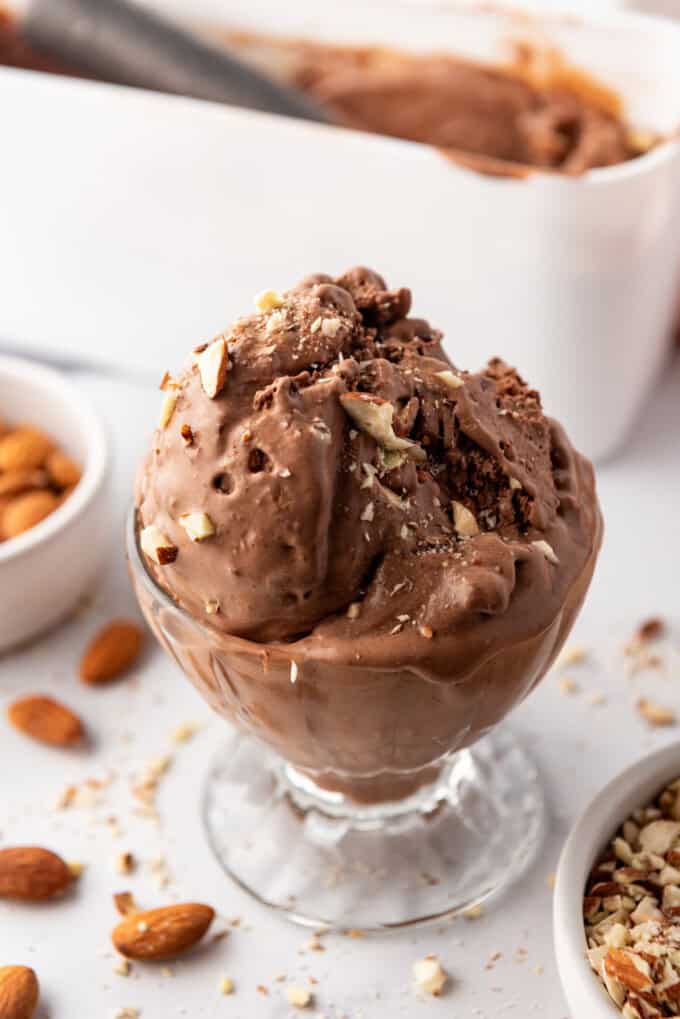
(634,787)
(45,571)
(574,281)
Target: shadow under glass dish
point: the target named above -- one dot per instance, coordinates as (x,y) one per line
(465,823)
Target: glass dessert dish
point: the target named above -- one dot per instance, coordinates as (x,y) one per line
(353,797)
(363,558)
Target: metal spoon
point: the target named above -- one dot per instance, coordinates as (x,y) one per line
(124,43)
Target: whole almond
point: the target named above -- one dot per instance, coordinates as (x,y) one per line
(22,479)
(19,992)
(64,471)
(25,447)
(32,873)
(112,651)
(160,934)
(27,510)
(46,720)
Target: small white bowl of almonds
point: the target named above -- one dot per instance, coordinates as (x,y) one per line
(53,507)
(617,897)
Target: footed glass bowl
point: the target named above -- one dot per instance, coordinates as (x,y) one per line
(355,797)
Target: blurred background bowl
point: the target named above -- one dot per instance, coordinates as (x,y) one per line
(635,787)
(45,571)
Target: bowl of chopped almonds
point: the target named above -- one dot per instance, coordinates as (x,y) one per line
(617,896)
(53,507)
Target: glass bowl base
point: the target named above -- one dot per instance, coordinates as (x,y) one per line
(326,863)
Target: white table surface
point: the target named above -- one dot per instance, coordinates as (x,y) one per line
(578,747)
(53,283)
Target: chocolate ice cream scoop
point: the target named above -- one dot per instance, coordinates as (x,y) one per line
(324,477)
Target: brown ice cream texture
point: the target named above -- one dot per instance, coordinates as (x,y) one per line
(383,552)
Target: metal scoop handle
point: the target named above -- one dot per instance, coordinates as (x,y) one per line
(124,43)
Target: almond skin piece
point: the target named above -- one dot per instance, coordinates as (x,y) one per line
(46,720)
(32,874)
(125,903)
(27,510)
(25,447)
(160,934)
(112,651)
(64,471)
(19,992)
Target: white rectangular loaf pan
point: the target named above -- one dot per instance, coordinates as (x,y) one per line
(135,225)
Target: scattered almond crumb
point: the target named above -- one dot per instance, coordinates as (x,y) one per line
(429,976)
(66,798)
(651,629)
(123,968)
(184,732)
(76,868)
(226,985)
(574,655)
(126,1013)
(640,659)
(146,787)
(125,903)
(550,880)
(297,996)
(473,913)
(426,631)
(493,959)
(597,699)
(314,945)
(159,868)
(354,932)
(167,971)
(655,713)
(538,970)
(354,610)
(261,989)
(124,863)
(568,687)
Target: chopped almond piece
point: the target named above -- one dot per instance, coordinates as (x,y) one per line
(429,975)
(464,521)
(213,364)
(374,416)
(157,546)
(198,526)
(269,300)
(299,997)
(655,713)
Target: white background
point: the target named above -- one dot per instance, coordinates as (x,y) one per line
(578,746)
